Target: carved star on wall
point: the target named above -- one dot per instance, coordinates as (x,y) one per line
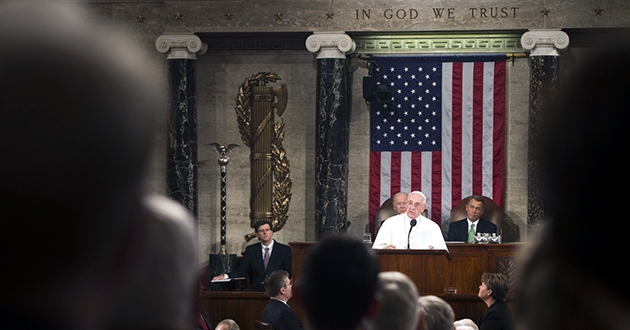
(140,19)
(178,16)
(279,16)
(598,11)
(329,15)
(544,12)
(228,16)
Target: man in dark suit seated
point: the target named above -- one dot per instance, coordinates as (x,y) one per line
(262,258)
(463,231)
(280,288)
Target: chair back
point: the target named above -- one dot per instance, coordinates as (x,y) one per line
(491,212)
(260,325)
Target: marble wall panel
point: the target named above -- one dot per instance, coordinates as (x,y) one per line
(516,137)
(219,79)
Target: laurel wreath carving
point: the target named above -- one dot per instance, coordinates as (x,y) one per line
(282,181)
(243,103)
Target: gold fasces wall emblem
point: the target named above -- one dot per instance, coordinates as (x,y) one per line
(270,175)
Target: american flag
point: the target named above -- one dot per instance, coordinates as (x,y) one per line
(442,133)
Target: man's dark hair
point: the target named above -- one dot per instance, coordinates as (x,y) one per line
(260,223)
(275,281)
(339,280)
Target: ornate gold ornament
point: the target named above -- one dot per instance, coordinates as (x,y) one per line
(270,174)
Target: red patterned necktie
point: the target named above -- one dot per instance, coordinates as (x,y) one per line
(202,322)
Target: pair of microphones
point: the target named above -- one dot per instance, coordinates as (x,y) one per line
(412,223)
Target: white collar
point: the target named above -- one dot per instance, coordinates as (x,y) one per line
(270,246)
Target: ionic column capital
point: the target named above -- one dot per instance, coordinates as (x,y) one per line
(330,44)
(180,46)
(545,42)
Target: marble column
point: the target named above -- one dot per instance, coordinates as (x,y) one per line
(332,119)
(181,146)
(544,46)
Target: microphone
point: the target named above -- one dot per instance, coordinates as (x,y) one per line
(412,223)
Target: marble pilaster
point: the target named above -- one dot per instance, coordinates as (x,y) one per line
(544,46)
(333,129)
(181,154)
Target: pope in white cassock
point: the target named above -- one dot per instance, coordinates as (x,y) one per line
(410,230)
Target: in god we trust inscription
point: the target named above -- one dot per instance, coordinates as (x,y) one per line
(437,12)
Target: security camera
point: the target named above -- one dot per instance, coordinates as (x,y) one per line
(382,94)
(374,92)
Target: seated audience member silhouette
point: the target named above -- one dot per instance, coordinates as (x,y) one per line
(279,287)
(410,230)
(458,231)
(573,275)
(338,284)
(227,324)
(253,265)
(82,245)
(398,298)
(493,291)
(435,314)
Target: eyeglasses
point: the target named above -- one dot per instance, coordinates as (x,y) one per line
(264,230)
(289,284)
(416,205)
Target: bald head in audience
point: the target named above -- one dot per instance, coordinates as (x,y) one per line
(84,246)
(465,324)
(227,324)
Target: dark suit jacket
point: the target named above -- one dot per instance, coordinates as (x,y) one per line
(252,264)
(496,317)
(458,230)
(281,316)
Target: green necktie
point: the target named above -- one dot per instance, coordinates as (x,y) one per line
(471,234)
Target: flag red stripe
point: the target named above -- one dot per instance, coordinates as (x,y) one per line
(498,134)
(436,187)
(416,171)
(375,187)
(395,175)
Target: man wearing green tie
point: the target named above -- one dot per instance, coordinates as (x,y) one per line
(464,231)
